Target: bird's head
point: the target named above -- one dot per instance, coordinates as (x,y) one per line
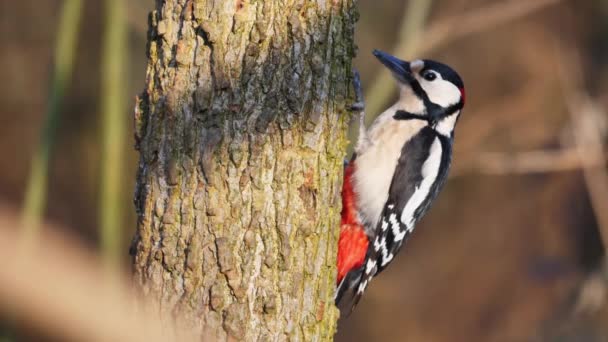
(426,87)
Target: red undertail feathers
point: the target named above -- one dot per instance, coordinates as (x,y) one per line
(353,242)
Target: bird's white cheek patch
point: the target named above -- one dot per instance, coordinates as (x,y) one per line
(441,92)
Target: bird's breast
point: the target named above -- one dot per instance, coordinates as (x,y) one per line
(376,164)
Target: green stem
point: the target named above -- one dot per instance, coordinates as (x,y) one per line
(65,51)
(113,130)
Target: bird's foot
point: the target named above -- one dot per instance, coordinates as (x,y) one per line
(359,105)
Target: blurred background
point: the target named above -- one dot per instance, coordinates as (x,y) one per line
(512,249)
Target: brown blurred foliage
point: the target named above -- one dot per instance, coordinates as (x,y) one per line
(504,253)
(508,253)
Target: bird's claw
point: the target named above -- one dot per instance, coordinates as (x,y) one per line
(359,105)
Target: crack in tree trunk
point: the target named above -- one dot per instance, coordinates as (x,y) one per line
(242,132)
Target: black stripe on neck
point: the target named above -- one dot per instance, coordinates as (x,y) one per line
(403,115)
(435,113)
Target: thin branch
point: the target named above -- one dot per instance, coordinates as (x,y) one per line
(499,163)
(445,31)
(462,25)
(587,136)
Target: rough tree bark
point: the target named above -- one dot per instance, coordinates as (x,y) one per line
(242,132)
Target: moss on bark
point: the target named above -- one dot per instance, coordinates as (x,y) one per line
(242,132)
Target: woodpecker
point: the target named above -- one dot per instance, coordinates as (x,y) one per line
(399,166)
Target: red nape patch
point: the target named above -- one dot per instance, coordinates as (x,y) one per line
(463,95)
(353,242)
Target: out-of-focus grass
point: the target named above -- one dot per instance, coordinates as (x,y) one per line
(412,24)
(113,87)
(65,50)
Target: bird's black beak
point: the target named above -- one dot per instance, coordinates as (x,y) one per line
(401,69)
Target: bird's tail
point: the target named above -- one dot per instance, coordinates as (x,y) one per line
(347,297)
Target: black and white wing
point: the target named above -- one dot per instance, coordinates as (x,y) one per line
(421,172)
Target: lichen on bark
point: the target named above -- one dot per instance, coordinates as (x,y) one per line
(241,130)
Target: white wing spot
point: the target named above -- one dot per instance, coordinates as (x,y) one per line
(362,287)
(395,227)
(384,250)
(386,259)
(380,246)
(369,266)
(384,225)
(399,235)
(393,220)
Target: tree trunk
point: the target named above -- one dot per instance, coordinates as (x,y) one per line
(242,133)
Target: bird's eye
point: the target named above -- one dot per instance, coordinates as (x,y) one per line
(429,75)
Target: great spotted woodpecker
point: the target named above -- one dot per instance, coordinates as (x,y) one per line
(399,166)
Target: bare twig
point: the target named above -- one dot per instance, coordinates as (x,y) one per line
(462,25)
(588,152)
(446,31)
(592,295)
(587,136)
(542,161)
